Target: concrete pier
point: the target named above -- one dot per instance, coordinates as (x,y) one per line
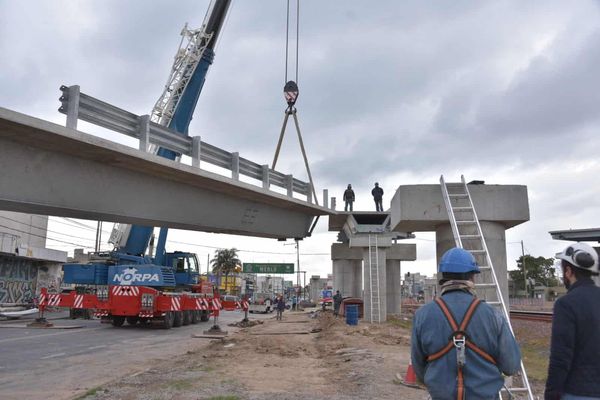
(352,273)
(417,208)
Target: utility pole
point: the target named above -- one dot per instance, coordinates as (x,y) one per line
(524,270)
(298,265)
(304,286)
(98,236)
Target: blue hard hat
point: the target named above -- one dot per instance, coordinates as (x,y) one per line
(458,261)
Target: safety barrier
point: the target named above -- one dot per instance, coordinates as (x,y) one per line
(80,106)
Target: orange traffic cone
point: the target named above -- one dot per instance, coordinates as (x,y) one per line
(410,378)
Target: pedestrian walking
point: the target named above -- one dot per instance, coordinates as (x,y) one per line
(337,302)
(280,306)
(377,193)
(294,302)
(348,198)
(460,345)
(574,369)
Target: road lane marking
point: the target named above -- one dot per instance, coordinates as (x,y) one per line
(53,356)
(15,339)
(97,347)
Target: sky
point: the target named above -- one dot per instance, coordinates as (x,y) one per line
(394,92)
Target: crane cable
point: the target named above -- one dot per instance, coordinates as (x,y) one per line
(290,91)
(287,39)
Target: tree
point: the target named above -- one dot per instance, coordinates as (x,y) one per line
(225,262)
(538,270)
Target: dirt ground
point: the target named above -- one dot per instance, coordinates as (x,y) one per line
(306,356)
(299,358)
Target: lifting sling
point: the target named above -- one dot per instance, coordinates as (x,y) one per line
(461,341)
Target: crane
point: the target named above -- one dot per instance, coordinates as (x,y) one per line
(129,284)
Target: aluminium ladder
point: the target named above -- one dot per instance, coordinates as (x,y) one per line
(468,235)
(374,280)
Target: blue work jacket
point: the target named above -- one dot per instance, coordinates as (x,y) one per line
(488,330)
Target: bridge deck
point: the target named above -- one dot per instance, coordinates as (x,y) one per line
(49,169)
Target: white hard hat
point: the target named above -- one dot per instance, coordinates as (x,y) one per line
(582,256)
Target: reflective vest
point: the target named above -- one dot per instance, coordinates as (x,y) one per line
(461,341)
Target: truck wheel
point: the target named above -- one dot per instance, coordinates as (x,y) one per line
(118,320)
(177,319)
(132,320)
(204,316)
(195,317)
(187,317)
(168,320)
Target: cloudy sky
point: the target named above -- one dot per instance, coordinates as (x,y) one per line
(395,92)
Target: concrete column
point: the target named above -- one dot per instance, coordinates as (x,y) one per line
(382,284)
(393,286)
(358,282)
(343,277)
(495,238)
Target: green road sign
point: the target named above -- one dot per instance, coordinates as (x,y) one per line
(268,268)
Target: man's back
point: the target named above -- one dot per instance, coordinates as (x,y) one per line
(575,356)
(349,195)
(377,192)
(487,329)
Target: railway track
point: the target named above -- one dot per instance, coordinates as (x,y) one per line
(544,316)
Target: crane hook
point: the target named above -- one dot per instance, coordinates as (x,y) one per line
(290,92)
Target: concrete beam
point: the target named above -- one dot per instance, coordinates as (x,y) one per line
(341,251)
(337,221)
(402,252)
(421,208)
(48,169)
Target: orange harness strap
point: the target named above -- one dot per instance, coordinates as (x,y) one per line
(459,332)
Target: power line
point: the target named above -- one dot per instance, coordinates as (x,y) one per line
(249,251)
(79,225)
(43,229)
(44,237)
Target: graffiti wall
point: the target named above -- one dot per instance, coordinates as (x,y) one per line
(16,280)
(21,279)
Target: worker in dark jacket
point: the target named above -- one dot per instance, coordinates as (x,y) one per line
(574,370)
(337,302)
(460,345)
(377,193)
(280,306)
(348,198)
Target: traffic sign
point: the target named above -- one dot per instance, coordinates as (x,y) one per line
(268,268)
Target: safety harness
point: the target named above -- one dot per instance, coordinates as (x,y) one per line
(461,341)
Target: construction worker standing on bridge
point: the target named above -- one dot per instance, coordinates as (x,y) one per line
(377,193)
(460,345)
(348,198)
(574,370)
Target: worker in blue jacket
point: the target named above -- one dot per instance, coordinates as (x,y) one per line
(574,369)
(460,345)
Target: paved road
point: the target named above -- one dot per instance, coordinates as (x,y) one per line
(67,362)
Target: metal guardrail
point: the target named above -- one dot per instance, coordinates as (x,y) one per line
(80,106)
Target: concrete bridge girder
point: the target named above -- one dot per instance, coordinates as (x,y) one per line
(52,170)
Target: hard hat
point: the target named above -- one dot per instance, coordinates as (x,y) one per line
(582,256)
(458,261)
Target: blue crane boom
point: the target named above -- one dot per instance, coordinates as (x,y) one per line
(177,110)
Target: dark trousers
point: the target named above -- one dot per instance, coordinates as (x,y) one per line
(378,205)
(348,203)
